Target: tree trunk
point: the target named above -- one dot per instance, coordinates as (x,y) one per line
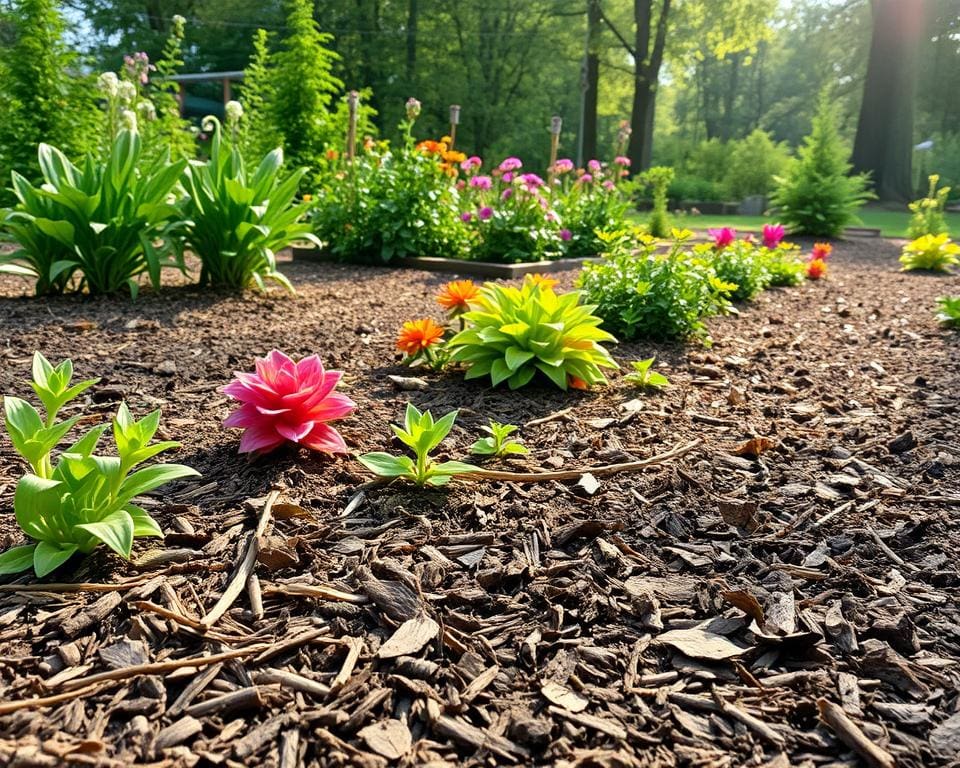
(884,142)
(646,74)
(591,82)
(730,98)
(641,124)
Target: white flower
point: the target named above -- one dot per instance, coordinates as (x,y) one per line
(128,120)
(108,83)
(146,111)
(233,111)
(127,91)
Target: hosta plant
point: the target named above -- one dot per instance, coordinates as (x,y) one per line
(498,442)
(237,220)
(645,377)
(421,434)
(513,333)
(77,500)
(284,401)
(949,313)
(935,253)
(97,227)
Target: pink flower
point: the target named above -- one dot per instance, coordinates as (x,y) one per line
(284,401)
(594,166)
(471,162)
(585,179)
(481,182)
(772,235)
(507,194)
(621,160)
(511,164)
(565,234)
(466,217)
(531,181)
(485,213)
(461,184)
(722,237)
(609,186)
(563,165)
(508,177)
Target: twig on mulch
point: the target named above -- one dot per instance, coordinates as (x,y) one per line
(239,580)
(851,734)
(574,474)
(83,586)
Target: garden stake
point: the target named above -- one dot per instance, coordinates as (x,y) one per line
(454,122)
(353,100)
(556,125)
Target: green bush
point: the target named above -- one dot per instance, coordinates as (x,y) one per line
(817,195)
(934,253)
(694,189)
(586,209)
(516,332)
(928,218)
(237,221)
(785,265)
(741,264)
(944,158)
(98,224)
(752,165)
(390,203)
(642,294)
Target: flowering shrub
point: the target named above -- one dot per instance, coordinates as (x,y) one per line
(95,227)
(510,216)
(390,203)
(587,204)
(931,252)
(642,294)
(928,211)
(82,500)
(739,263)
(784,265)
(421,434)
(512,333)
(284,401)
(237,221)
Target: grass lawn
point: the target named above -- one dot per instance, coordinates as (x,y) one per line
(891,223)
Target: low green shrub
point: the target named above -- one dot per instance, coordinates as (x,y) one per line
(928,218)
(742,264)
(237,221)
(94,227)
(642,294)
(949,311)
(753,164)
(785,265)
(935,253)
(658,178)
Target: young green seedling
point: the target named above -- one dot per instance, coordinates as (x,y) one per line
(646,378)
(498,443)
(421,434)
(949,313)
(83,499)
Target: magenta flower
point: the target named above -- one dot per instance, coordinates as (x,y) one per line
(466,217)
(481,182)
(623,161)
(485,213)
(772,235)
(563,165)
(609,185)
(471,162)
(508,177)
(507,194)
(594,166)
(531,181)
(284,401)
(722,237)
(511,164)
(565,234)
(585,179)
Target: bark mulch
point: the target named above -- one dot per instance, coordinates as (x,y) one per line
(784,594)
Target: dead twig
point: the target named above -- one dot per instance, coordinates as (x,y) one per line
(851,734)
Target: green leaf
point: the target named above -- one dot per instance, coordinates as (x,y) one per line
(47,557)
(17,560)
(386,465)
(515,357)
(115,530)
(483,447)
(35,502)
(452,468)
(441,429)
(143,524)
(147,479)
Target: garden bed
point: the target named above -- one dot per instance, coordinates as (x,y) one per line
(499,623)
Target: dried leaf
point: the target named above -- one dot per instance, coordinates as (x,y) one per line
(754,447)
(563,697)
(745,602)
(410,637)
(699,644)
(389,738)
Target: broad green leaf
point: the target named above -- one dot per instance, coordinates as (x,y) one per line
(143,524)
(385,465)
(17,560)
(47,556)
(147,479)
(115,530)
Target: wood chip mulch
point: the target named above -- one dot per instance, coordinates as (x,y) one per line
(784,594)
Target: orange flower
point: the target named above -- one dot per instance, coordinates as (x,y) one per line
(332,154)
(433,147)
(816,268)
(307,198)
(576,382)
(417,335)
(454,157)
(456,295)
(542,280)
(821,251)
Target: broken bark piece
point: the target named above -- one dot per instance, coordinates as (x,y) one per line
(409,638)
(853,736)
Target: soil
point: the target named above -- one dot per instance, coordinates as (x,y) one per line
(798,607)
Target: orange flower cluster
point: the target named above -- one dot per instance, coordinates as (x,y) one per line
(816,268)
(821,251)
(456,296)
(418,335)
(450,158)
